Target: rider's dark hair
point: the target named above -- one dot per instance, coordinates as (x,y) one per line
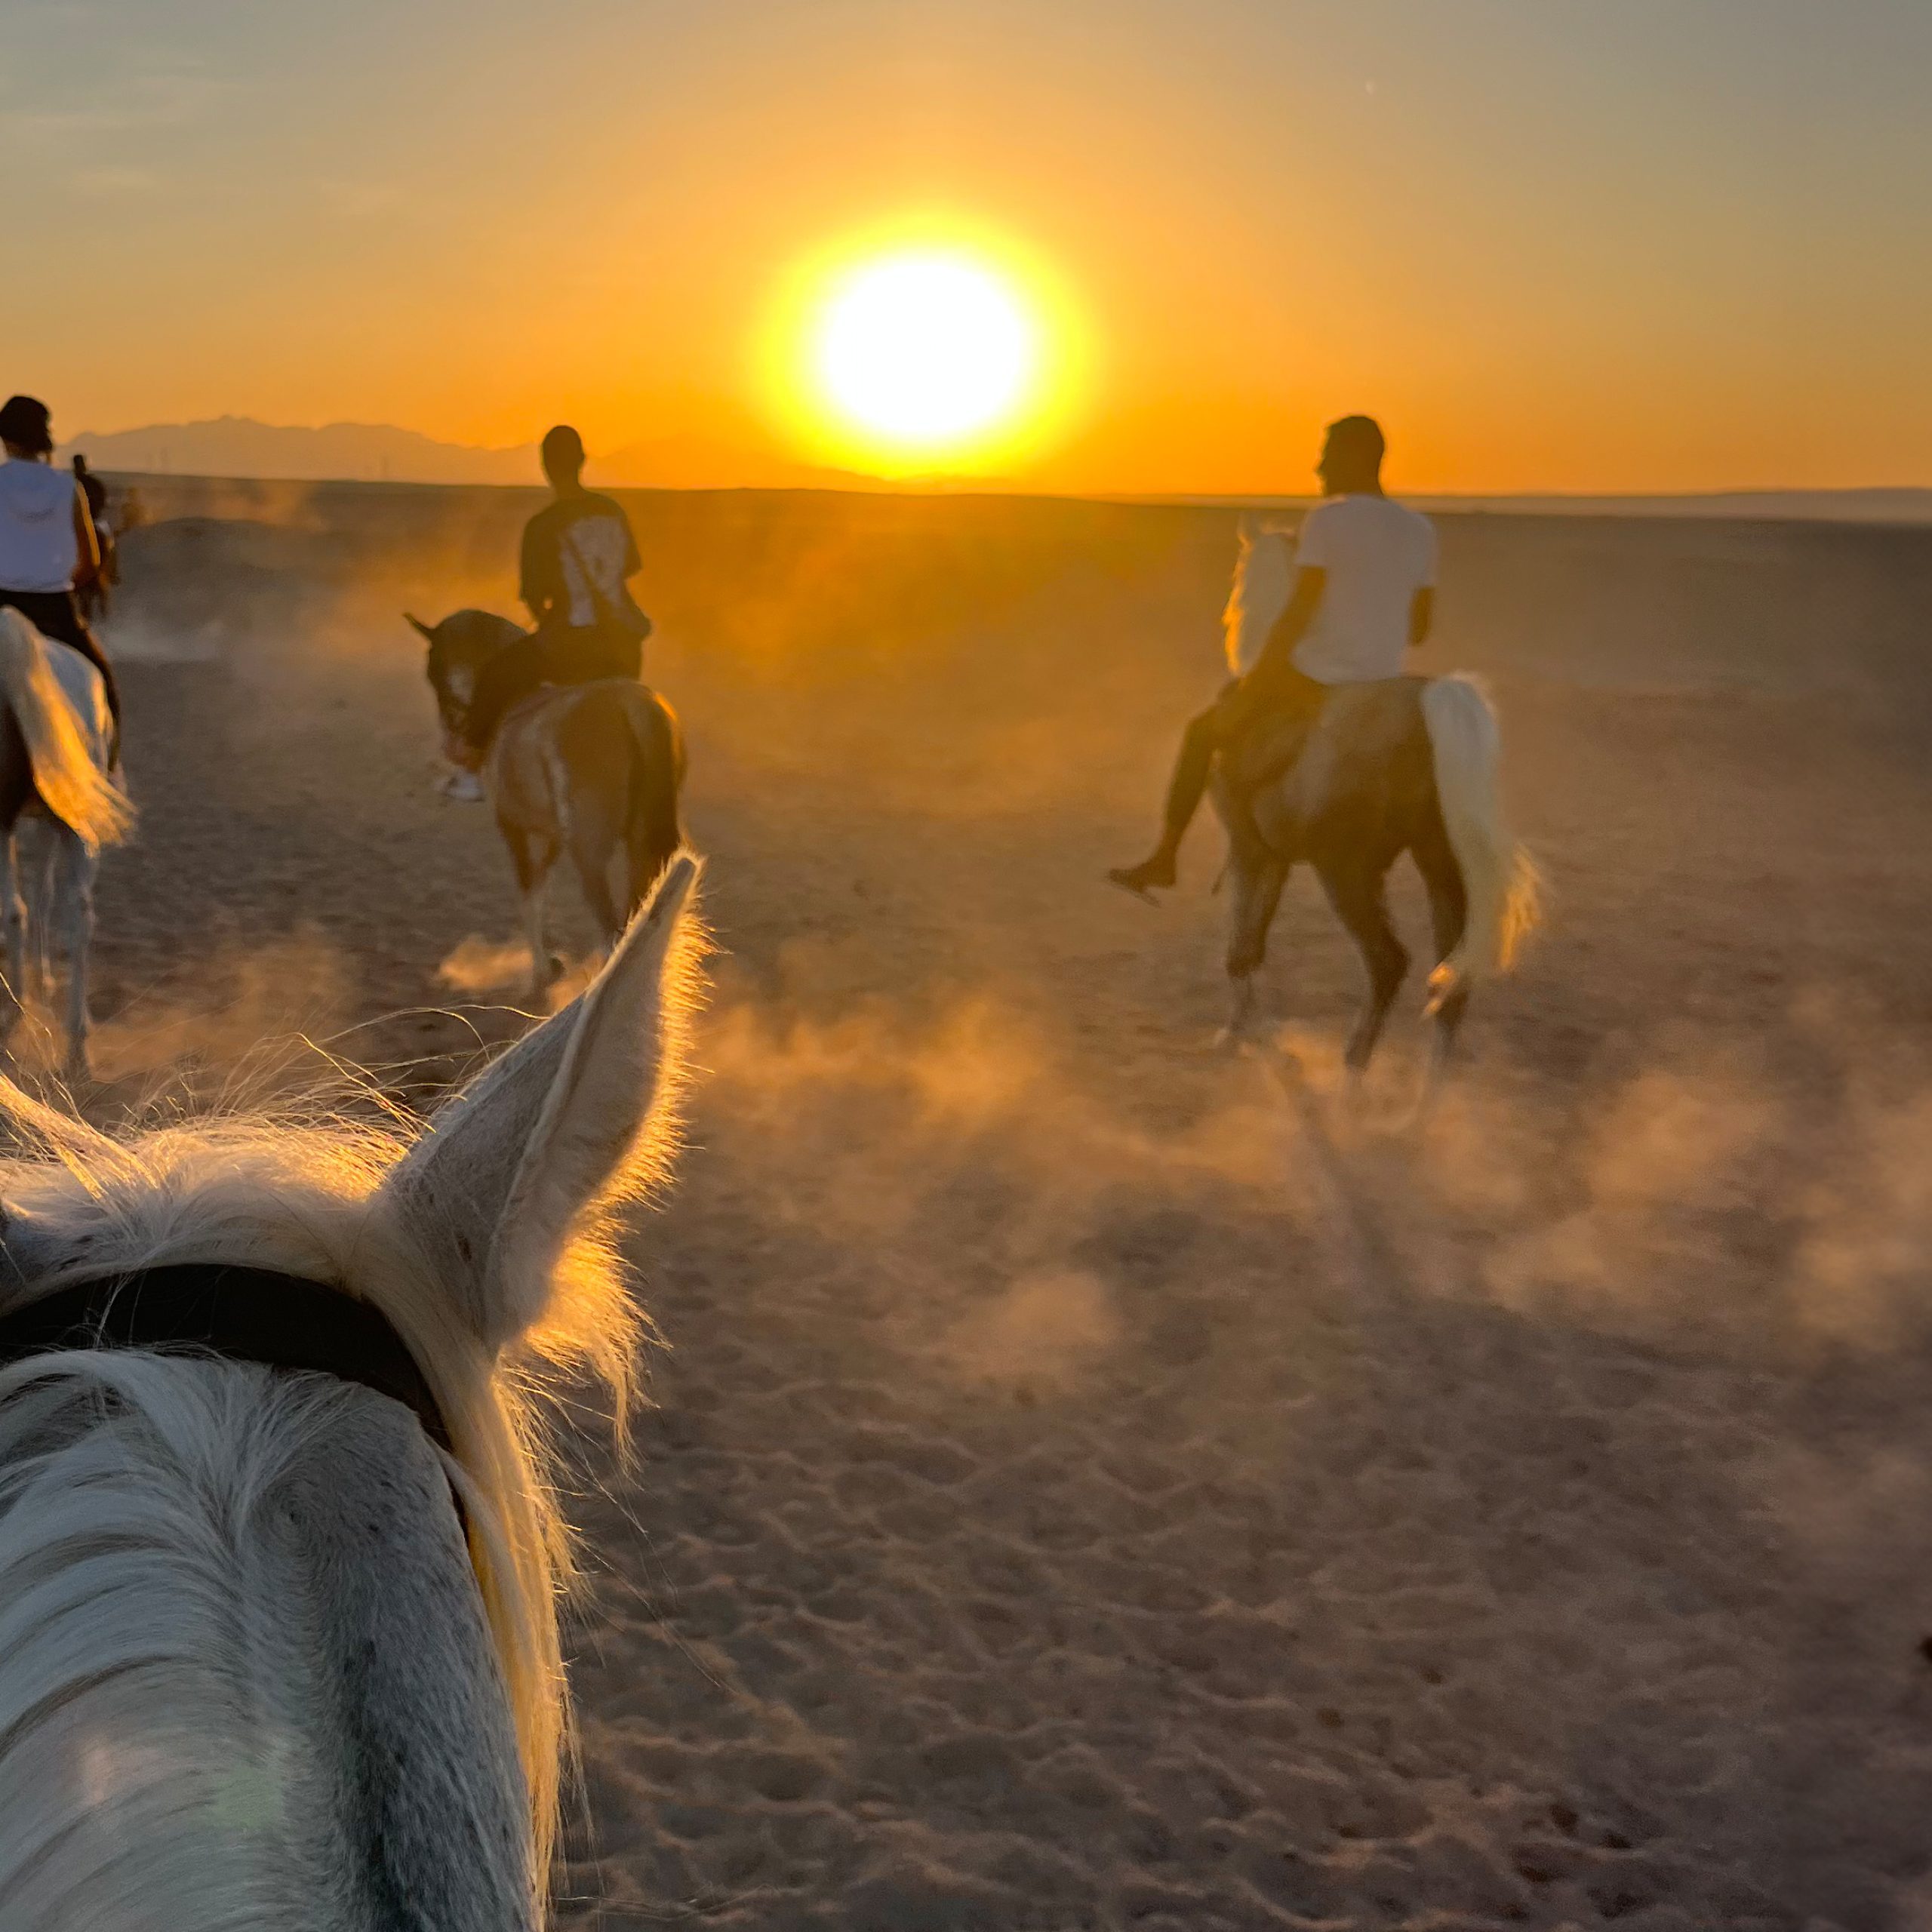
(26,423)
(563,448)
(1358,438)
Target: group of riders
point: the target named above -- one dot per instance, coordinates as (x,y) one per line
(1362,596)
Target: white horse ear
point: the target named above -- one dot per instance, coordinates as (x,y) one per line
(496,1182)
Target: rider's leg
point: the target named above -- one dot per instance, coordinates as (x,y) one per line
(1204,736)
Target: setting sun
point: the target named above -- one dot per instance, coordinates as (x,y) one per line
(925,350)
(928,344)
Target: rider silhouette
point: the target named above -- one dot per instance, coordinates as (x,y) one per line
(578,552)
(48,542)
(1363,591)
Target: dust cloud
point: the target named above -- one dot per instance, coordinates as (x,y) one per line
(1094,1481)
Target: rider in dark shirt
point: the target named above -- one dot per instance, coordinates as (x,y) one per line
(578,554)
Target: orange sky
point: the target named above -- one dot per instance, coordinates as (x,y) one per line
(1572,244)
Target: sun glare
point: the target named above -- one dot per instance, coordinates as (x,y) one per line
(925,351)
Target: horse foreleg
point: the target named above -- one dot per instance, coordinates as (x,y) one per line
(1258,877)
(1355,889)
(72,865)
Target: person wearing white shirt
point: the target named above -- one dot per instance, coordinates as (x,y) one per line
(1363,595)
(48,545)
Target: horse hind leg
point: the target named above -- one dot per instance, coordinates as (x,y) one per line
(531,856)
(1448,910)
(1355,889)
(593,838)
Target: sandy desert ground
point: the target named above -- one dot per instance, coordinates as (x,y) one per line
(1091,1485)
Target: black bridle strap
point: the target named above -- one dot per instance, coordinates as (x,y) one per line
(255,1314)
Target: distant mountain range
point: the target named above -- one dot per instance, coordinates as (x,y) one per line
(380,452)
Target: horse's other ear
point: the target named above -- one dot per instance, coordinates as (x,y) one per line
(579,1108)
(428,630)
(1248,527)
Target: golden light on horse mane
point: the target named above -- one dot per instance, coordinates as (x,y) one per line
(929,345)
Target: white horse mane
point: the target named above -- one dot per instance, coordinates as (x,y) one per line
(132,1485)
(1263,581)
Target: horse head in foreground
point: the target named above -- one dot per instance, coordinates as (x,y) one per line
(279,1637)
(592,769)
(58,787)
(1408,764)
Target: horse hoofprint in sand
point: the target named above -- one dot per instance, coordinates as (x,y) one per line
(53,775)
(250,1673)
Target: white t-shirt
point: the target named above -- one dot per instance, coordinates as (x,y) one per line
(1378,555)
(38,548)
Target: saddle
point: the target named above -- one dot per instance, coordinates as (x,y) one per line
(1311,742)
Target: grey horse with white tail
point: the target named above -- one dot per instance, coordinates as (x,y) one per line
(281,1545)
(1405,764)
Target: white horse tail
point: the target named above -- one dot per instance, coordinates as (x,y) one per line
(1500,882)
(72,782)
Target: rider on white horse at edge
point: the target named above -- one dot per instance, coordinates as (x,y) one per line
(48,545)
(1364,594)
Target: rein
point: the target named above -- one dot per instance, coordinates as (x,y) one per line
(284,1322)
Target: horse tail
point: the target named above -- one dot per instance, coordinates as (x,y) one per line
(73,783)
(654,826)
(1500,885)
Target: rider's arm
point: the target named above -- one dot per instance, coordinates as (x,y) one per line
(1422,614)
(87,545)
(535,592)
(1278,654)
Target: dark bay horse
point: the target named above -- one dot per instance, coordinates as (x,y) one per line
(592,769)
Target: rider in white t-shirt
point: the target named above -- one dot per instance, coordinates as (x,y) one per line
(47,543)
(1364,594)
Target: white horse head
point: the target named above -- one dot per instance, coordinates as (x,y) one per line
(255,1667)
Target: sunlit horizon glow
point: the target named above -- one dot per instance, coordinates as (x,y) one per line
(1593,248)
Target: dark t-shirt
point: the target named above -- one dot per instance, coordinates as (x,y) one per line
(570,545)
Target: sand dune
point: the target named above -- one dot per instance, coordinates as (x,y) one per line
(1093,1485)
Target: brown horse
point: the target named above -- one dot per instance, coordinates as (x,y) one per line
(1406,765)
(594,769)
